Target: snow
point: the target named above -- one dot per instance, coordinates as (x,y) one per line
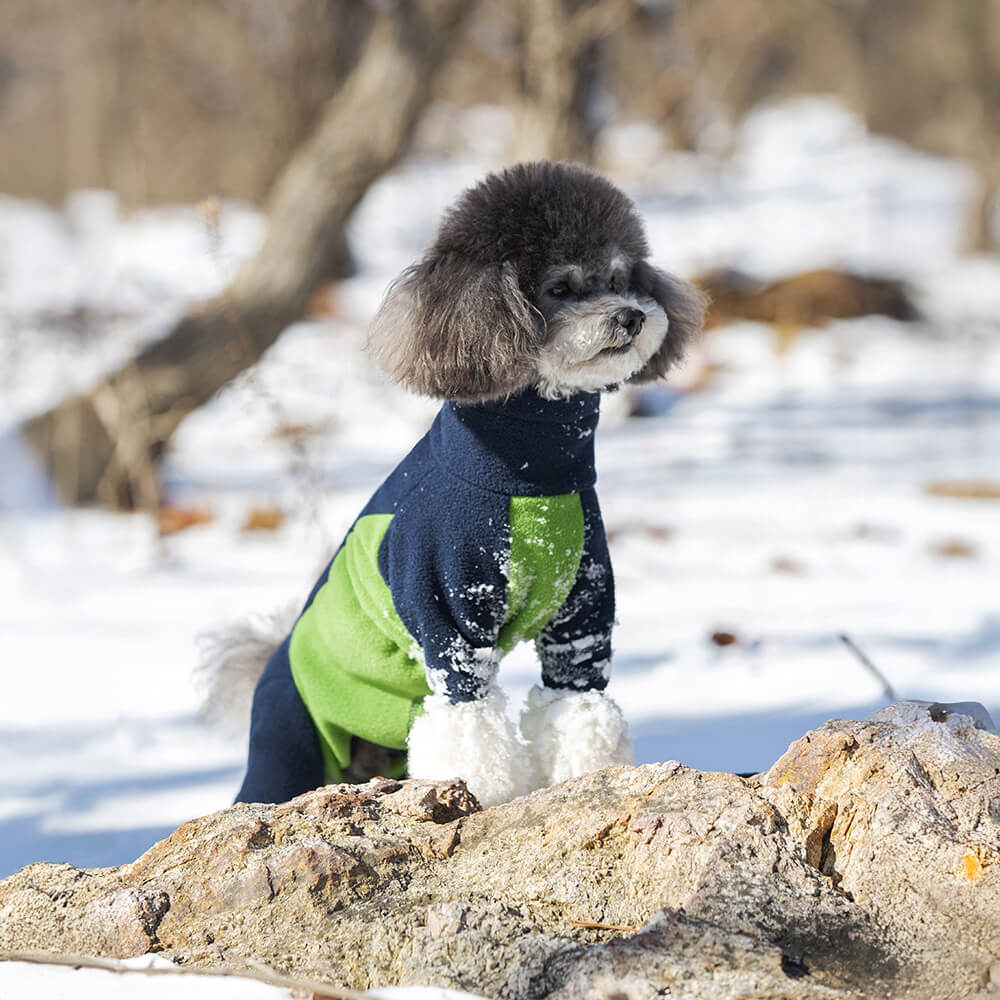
(55,982)
(152,976)
(784,503)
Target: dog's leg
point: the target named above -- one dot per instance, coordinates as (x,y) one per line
(449,587)
(285,758)
(571,727)
(570,733)
(474,740)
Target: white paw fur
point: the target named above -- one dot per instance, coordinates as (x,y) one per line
(473,740)
(570,733)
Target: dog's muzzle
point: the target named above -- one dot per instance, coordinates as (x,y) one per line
(626,325)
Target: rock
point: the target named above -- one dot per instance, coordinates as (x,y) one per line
(957,714)
(106,916)
(865,862)
(684,958)
(904,816)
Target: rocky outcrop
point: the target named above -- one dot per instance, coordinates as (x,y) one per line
(902,813)
(866,862)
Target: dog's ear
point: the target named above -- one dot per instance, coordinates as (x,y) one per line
(685,307)
(457,330)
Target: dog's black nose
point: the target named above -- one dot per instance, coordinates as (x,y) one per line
(631,320)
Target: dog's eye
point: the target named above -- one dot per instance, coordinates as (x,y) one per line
(560,291)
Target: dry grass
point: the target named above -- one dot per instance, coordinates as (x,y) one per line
(964,489)
(172,519)
(263,519)
(954,548)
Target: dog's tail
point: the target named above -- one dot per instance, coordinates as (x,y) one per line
(231,660)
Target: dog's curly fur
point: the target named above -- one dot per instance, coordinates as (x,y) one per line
(466,322)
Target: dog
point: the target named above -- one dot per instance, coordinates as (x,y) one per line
(535,297)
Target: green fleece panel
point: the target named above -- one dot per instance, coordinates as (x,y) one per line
(350,652)
(371,686)
(333,769)
(546,544)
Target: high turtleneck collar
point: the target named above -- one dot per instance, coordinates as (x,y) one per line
(523,445)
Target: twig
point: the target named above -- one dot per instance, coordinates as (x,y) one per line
(594,925)
(887,688)
(262,974)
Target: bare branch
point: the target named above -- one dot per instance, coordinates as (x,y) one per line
(887,688)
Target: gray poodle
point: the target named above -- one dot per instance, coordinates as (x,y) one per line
(535,296)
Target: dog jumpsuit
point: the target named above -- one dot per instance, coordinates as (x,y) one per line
(487,534)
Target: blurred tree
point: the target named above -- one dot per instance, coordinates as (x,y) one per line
(654,72)
(104,446)
(165,100)
(923,71)
(559,65)
(931,77)
(757,50)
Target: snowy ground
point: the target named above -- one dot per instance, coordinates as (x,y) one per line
(152,977)
(784,503)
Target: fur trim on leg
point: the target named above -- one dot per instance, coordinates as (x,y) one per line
(474,740)
(572,733)
(231,660)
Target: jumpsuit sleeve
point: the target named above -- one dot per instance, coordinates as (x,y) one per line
(575,646)
(444,572)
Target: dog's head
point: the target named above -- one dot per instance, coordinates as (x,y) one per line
(538,276)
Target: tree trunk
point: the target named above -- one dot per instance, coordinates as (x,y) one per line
(559,74)
(982,232)
(104,446)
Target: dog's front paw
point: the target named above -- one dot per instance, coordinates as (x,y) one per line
(570,733)
(473,740)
